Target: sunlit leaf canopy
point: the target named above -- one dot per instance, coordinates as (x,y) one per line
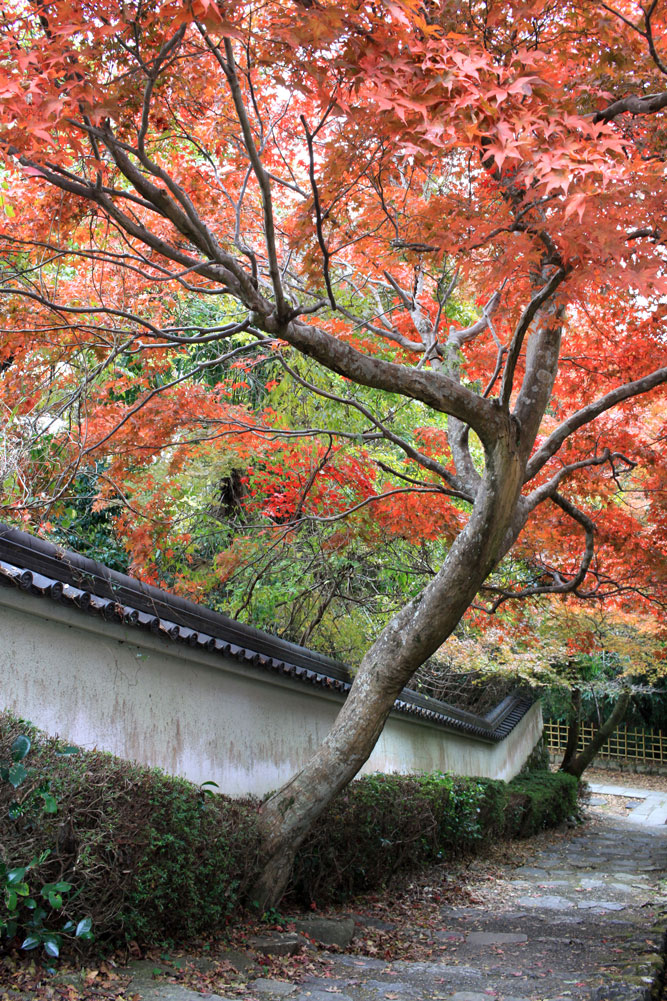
(202,199)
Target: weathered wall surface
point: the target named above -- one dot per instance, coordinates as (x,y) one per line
(197,714)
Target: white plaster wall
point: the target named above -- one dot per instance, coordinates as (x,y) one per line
(197,714)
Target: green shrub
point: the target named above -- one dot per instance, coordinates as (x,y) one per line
(381,824)
(150,856)
(153,858)
(538,801)
(29,910)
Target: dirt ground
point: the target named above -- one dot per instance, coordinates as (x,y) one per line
(637,780)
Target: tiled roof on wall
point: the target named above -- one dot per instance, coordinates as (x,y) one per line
(41,568)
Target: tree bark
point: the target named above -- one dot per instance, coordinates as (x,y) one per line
(414,633)
(572,731)
(578,763)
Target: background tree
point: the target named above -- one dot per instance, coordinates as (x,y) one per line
(331,176)
(589,663)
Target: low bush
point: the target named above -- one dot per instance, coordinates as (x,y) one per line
(402,822)
(150,857)
(539,800)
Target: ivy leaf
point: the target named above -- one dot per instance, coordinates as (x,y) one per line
(83,927)
(52,945)
(15,876)
(50,803)
(20,748)
(17,774)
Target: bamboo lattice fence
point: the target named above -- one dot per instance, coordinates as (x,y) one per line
(649,746)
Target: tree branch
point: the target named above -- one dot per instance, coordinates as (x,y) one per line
(527,317)
(588,414)
(559,586)
(549,488)
(634,105)
(423,460)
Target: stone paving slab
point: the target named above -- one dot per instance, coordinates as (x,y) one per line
(596,936)
(651,809)
(628,792)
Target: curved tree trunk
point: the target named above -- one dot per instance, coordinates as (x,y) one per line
(414,633)
(572,731)
(578,763)
(420,627)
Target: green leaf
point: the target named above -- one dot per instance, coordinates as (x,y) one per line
(83,927)
(17,774)
(66,751)
(51,945)
(20,748)
(50,803)
(31,942)
(11,900)
(15,876)
(15,811)
(68,927)
(55,899)
(62,887)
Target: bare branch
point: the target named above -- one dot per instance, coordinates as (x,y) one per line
(648,14)
(588,414)
(423,460)
(457,338)
(326,255)
(228,66)
(548,489)
(329,519)
(559,585)
(165,51)
(634,105)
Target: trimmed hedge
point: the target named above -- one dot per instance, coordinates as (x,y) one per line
(152,857)
(406,822)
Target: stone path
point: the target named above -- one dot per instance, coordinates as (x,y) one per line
(584,920)
(651,806)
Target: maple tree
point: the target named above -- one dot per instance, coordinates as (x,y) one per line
(591,660)
(336,184)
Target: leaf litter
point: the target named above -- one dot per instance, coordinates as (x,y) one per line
(408,913)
